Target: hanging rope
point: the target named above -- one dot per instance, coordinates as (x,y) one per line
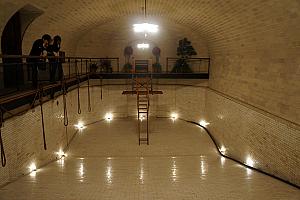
(67,136)
(78,88)
(35,98)
(89,96)
(42,114)
(66,120)
(101,86)
(81,66)
(3,157)
(78,99)
(88,80)
(145,9)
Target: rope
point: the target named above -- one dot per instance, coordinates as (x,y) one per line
(101,87)
(89,96)
(145,9)
(3,157)
(88,75)
(78,99)
(78,89)
(66,120)
(42,114)
(37,93)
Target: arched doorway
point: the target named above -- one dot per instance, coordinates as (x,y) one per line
(11,44)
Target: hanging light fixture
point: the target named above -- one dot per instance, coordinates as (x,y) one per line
(145,27)
(143,46)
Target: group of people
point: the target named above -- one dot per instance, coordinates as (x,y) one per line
(47,48)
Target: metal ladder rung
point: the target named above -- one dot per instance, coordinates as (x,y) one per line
(142,109)
(143,139)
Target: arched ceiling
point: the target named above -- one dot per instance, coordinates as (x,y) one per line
(217,21)
(74,18)
(111,38)
(120,32)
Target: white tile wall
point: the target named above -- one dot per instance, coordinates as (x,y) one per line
(273,145)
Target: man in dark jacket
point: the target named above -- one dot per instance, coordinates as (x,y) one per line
(38,47)
(53,50)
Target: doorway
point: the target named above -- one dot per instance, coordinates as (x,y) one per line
(11,44)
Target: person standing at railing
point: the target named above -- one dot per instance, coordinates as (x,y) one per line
(38,48)
(53,50)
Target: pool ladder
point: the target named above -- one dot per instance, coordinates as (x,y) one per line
(143,104)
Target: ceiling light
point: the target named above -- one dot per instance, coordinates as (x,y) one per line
(143,46)
(145,28)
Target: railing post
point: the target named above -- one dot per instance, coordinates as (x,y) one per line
(208,66)
(80,66)
(167,65)
(199,65)
(118,65)
(76,68)
(69,64)
(86,66)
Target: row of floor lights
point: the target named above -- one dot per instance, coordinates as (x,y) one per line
(108,117)
(249,161)
(33,169)
(61,154)
(174,116)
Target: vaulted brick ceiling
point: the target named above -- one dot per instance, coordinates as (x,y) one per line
(217,21)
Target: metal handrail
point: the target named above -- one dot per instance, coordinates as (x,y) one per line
(66,57)
(168,59)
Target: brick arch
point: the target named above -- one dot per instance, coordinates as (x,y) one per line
(73,19)
(219,22)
